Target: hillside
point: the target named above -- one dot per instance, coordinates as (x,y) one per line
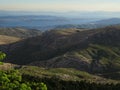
(54,78)
(8,39)
(19,32)
(94,51)
(66,74)
(50,44)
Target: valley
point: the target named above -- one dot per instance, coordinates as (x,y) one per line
(95,51)
(59,45)
(64,54)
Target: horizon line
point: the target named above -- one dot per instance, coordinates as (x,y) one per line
(58,10)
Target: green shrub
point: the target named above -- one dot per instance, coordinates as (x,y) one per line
(12,80)
(2,56)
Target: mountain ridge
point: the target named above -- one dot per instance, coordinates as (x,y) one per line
(76,48)
(94,51)
(19,32)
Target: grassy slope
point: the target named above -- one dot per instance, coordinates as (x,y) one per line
(65,74)
(95,58)
(62,74)
(8,39)
(19,32)
(102,56)
(102,59)
(105,55)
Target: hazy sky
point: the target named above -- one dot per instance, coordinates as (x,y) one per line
(61,5)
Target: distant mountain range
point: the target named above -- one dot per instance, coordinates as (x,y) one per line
(47,22)
(70,14)
(41,22)
(92,25)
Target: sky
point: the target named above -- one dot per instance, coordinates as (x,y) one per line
(60,5)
